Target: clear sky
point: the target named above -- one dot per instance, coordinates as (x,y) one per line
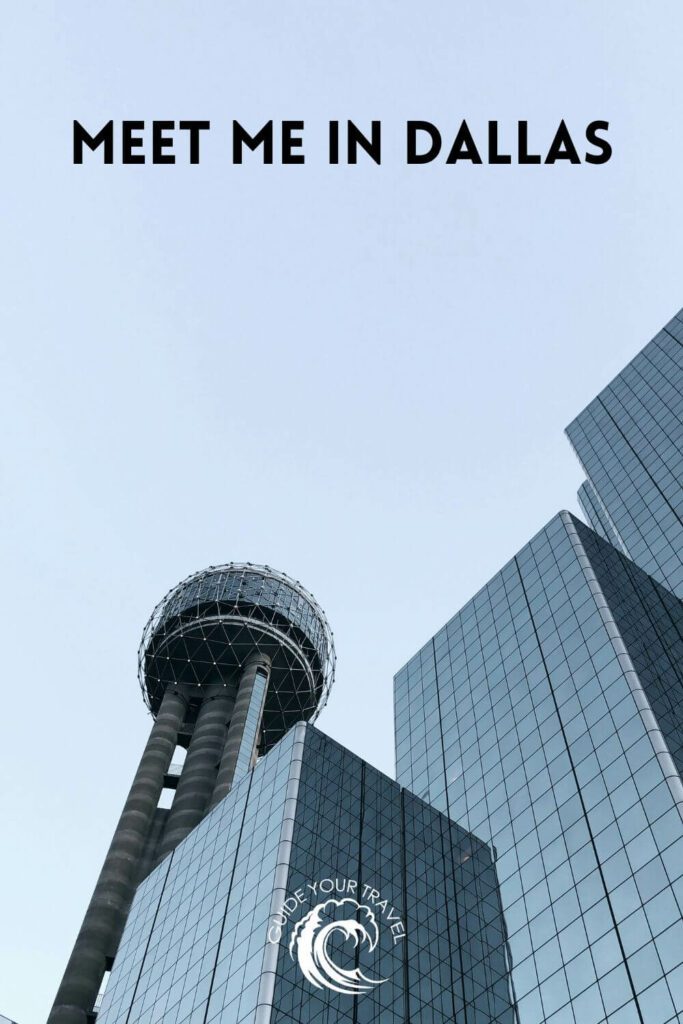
(359,375)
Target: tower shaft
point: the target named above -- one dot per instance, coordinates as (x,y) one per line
(223,741)
(107,912)
(199,771)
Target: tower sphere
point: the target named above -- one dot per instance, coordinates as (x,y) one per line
(206,628)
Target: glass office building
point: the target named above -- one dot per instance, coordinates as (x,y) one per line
(629,441)
(318,891)
(546,717)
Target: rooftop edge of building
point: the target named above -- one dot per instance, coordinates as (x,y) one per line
(560,517)
(675,320)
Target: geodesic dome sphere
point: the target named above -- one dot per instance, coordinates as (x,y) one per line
(206,628)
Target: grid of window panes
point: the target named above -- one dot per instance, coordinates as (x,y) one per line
(239,960)
(347,827)
(650,618)
(457,953)
(520,718)
(630,443)
(192,950)
(354,823)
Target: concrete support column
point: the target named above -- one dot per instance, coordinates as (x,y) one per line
(105,918)
(198,778)
(257,663)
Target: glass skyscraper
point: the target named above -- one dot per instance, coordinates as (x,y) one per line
(629,441)
(547,717)
(319,891)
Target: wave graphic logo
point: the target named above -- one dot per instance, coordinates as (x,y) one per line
(311,937)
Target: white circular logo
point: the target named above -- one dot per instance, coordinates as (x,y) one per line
(310,938)
(340,914)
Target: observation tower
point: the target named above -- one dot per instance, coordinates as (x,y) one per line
(229,661)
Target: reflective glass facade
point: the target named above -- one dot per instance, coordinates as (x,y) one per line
(315,876)
(629,441)
(353,822)
(545,718)
(597,515)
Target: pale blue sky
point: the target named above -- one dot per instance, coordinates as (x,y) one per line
(358,375)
